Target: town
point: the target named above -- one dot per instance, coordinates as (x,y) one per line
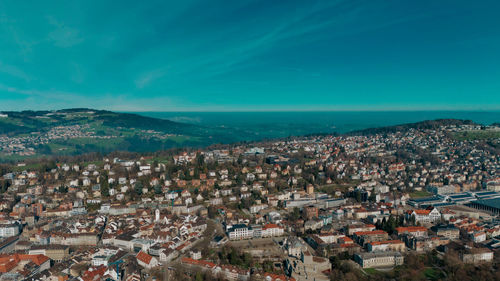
(415,203)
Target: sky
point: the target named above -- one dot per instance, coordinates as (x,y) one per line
(226,55)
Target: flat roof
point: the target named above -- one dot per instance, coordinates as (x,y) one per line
(493,203)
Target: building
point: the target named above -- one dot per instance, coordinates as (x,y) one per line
(146,260)
(489,205)
(470,253)
(379,259)
(476,255)
(429,215)
(424,244)
(478,237)
(32,263)
(272,230)
(54,252)
(307,267)
(445,189)
(167,255)
(195,255)
(240,232)
(9,230)
(8,245)
(352,228)
(364,237)
(449,231)
(311,212)
(415,231)
(294,246)
(389,245)
(310,189)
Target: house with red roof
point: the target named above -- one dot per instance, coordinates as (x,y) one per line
(388,245)
(94,273)
(146,260)
(363,237)
(272,230)
(20,262)
(277,277)
(429,215)
(415,231)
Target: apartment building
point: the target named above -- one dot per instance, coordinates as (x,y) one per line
(379,259)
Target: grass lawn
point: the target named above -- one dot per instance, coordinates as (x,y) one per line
(104,143)
(331,188)
(181,139)
(16,168)
(371,271)
(477,135)
(17,158)
(157,159)
(61,148)
(420,194)
(433,274)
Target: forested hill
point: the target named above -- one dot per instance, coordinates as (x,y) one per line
(23,122)
(81,130)
(423,125)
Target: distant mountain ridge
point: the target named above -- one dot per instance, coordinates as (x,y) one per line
(34,121)
(82,130)
(422,125)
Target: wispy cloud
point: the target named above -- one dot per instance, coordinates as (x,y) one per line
(64,36)
(240,47)
(146,78)
(14,71)
(21,99)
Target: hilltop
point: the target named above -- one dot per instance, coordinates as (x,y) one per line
(82,130)
(422,125)
(22,122)
(33,134)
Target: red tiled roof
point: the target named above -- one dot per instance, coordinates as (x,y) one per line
(410,229)
(276,277)
(94,273)
(145,258)
(8,262)
(386,242)
(198,262)
(271,225)
(374,232)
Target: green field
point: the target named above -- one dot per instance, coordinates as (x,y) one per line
(420,194)
(371,271)
(432,274)
(477,135)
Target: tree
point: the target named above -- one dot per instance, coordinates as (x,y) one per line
(198,276)
(4,186)
(295,215)
(412,220)
(105,190)
(138,188)
(373,197)
(62,189)
(358,196)
(157,189)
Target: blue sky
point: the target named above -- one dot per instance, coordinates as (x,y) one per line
(250,55)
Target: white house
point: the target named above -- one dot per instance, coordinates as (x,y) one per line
(146,260)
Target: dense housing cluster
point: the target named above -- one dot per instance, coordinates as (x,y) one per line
(296,209)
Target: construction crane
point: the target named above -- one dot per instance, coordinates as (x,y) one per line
(117,263)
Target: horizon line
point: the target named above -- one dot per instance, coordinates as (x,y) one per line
(307,110)
(254,110)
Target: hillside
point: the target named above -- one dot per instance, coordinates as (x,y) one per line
(423,125)
(32,134)
(35,121)
(81,130)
